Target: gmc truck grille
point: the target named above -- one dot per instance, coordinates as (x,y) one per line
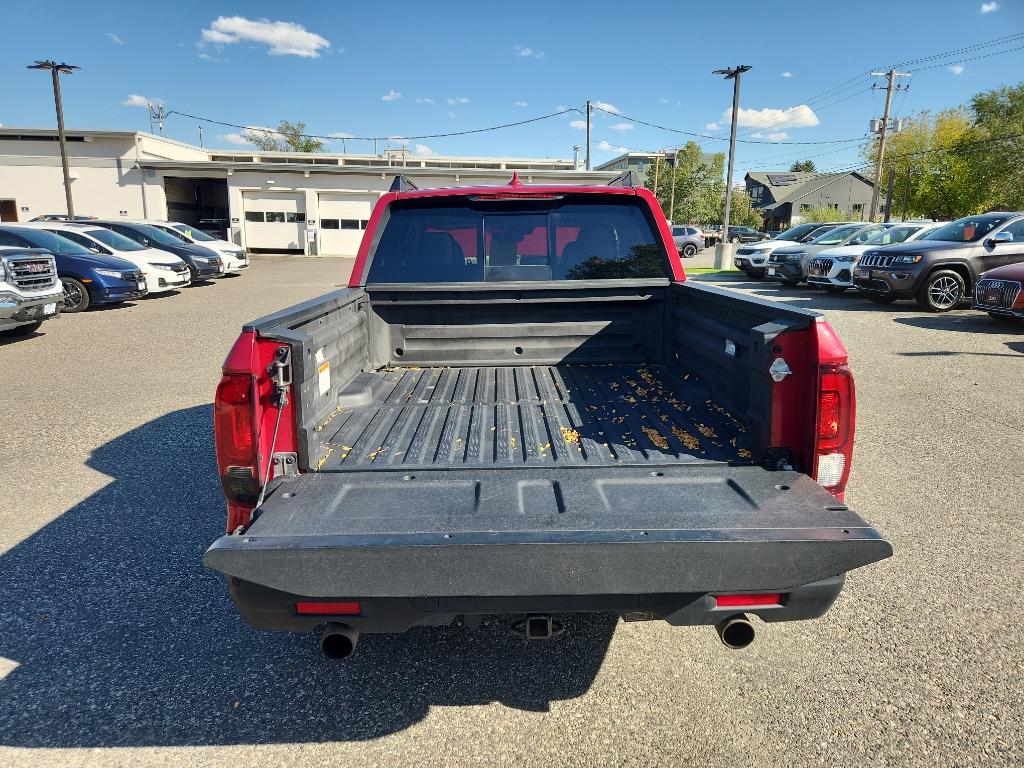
(876,260)
(1007,290)
(35,273)
(821,267)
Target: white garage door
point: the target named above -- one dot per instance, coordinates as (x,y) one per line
(275,221)
(342,221)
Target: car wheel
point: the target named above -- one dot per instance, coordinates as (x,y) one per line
(837,289)
(689,251)
(76,295)
(22,330)
(881,298)
(942,291)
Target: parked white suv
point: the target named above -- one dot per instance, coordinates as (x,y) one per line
(29,289)
(233,255)
(832,269)
(753,258)
(164,271)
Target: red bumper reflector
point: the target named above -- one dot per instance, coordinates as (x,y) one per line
(747,601)
(328,609)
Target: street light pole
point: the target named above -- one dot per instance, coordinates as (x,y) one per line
(55,72)
(672,192)
(734,74)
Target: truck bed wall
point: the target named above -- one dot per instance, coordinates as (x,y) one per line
(721,337)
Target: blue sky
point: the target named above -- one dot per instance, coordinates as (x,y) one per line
(404,69)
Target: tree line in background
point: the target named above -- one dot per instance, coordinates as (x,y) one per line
(959,161)
(691,189)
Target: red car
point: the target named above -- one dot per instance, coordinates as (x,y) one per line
(999,292)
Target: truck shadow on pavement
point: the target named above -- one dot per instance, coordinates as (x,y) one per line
(121,638)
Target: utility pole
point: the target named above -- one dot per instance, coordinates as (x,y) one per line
(576,156)
(890,76)
(589,111)
(888,196)
(200,134)
(55,72)
(906,195)
(734,74)
(156,113)
(672,192)
(657,167)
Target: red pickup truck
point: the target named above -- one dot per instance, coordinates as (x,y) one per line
(520,406)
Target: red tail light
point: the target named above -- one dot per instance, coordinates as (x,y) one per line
(234,430)
(234,421)
(748,601)
(328,609)
(835,425)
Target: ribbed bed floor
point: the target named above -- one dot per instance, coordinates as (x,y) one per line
(534,415)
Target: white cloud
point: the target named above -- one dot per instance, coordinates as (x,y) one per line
(800,116)
(520,104)
(400,139)
(283,38)
(621,127)
(663,100)
(527,53)
(989,7)
(605,146)
(235,138)
(451,115)
(579,125)
(135,100)
(114,37)
(459,100)
(423,149)
(424,100)
(786,74)
(606,107)
(778,136)
(206,57)
(340,51)
(957,69)
(341,135)
(391,95)
(712,127)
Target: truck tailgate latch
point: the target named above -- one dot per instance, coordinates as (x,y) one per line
(779,369)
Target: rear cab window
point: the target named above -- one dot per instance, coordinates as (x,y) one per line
(476,239)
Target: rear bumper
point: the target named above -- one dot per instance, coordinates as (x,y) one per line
(270,609)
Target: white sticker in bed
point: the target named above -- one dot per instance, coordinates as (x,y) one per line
(323,369)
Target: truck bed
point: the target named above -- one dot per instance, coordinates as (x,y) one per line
(538,415)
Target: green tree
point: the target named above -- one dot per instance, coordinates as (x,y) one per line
(824,213)
(931,169)
(998,145)
(699,185)
(742,212)
(803,166)
(287,137)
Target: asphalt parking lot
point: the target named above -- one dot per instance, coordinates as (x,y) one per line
(119,649)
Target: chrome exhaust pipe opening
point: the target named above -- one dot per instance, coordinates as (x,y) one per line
(735,632)
(339,641)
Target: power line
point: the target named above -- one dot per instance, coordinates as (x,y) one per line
(226,124)
(972,58)
(976,46)
(706,136)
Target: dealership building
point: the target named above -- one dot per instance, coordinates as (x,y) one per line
(281,202)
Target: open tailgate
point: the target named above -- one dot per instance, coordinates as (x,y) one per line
(547,531)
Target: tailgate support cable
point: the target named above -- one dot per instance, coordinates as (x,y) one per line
(280,371)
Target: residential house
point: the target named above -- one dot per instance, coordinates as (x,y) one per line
(782,195)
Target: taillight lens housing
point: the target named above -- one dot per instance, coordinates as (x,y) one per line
(834,427)
(234,429)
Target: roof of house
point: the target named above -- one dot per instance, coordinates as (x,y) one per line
(790,186)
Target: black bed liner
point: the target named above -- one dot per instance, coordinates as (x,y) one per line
(547,531)
(543,415)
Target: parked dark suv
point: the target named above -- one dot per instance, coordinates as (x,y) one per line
(746,235)
(941,269)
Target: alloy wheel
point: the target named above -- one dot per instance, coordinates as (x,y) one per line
(73,296)
(944,292)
